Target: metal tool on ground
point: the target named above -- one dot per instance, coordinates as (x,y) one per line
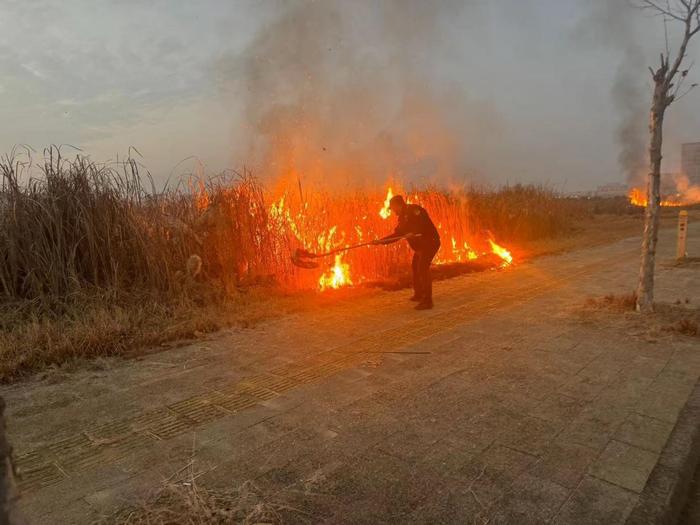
(301,257)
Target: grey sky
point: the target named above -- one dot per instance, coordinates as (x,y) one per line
(536,75)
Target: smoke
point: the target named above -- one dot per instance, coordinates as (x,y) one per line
(354,92)
(629,96)
(614,26)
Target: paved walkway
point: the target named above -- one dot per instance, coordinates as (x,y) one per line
(504,404)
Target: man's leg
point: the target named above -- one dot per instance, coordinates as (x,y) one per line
(425,260)
(417,284)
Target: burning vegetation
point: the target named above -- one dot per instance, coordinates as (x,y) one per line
(319,222)
(683,194)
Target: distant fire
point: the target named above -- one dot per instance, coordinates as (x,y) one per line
(638,197)
(685,195)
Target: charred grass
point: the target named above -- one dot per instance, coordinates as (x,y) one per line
(95,261)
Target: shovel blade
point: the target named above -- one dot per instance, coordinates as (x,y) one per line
(303,263)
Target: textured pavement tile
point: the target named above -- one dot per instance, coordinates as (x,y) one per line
(529,500)
(564,463)
(644,367)
(72,489)
(409,446)
(379,485)
(595,502)
(491,473)
(532,436)
(624,465)
(451,458)
(497,419)
(625,393)
(131,491)
(456,505)
(505,459)
(584,387)
(664,403)
(559,408)
(64,513)
(594,427)
(298,451)
(644,432)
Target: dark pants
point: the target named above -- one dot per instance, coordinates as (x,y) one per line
(422,282)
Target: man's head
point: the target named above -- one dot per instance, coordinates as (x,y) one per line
(397,205)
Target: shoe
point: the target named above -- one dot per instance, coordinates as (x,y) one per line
(424,305)
(415,297)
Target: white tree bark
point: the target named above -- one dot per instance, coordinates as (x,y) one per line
(645,289)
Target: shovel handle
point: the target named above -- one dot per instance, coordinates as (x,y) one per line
(337,250)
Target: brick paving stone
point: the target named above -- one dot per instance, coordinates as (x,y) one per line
(529,500)
(596,502)
(533,435)
(491,473)
(594,427)
(558,408)
(454,505)
(664,404)
(624,465)
(564,463)
(644,432)
(380,485)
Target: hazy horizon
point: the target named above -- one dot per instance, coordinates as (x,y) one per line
(549,91)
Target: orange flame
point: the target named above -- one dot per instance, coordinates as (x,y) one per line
(638,197)
(385,212)
(502,253)
(687,195)
(307,225)
(339,275)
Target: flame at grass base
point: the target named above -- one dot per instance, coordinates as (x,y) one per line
(687,194)
(338,276)
(502,253)
(385,212)
(637,197)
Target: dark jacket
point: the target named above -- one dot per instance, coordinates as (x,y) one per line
(416,220)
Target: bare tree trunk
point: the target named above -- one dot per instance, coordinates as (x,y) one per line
(645,289)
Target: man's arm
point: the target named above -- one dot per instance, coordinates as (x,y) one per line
(398,234)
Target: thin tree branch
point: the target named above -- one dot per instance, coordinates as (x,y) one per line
(691,88)
(655,6)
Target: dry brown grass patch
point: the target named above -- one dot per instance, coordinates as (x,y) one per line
(95,327)
(186,503)
(689,326)
(619,302)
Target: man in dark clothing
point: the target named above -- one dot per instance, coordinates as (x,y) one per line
(422,235)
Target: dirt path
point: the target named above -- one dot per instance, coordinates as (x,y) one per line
(505,403)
